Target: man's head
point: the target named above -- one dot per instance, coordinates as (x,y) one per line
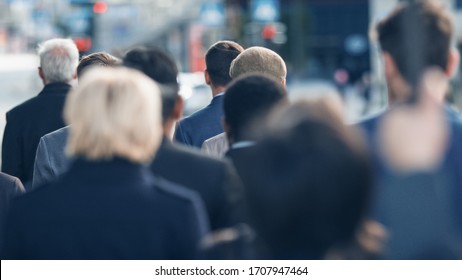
(218,60)
(160,67)
(311,182)
(414,38)
(96,59)
(58,61)
(249,98)
(259,60)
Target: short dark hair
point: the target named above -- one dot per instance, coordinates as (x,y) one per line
(218,60)
(309,186)
(159,66)
(250,98)
(417,35)
(96,59)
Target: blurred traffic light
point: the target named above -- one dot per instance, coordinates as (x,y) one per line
(268,32)
(83,44)
(99,7)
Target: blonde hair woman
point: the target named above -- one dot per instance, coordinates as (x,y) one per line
(108,205)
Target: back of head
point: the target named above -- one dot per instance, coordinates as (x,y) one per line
(250,98)
(259,60)
(160,67)
(96,59)
(114,113)
(310,184)
(218,60)
(58,60)
(417,36)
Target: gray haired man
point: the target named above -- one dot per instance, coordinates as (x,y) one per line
(42,114)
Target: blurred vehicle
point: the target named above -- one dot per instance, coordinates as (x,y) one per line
(194,91)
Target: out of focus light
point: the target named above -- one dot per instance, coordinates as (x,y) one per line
(268,32)
(83,44)
(99,7)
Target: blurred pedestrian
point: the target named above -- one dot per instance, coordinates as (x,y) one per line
(248,101)
(309,189)
(207,122)
(29,121)
(416,143)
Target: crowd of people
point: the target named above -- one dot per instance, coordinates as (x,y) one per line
(101,164)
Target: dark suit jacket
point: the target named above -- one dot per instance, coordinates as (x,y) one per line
(9,187)
(241,159)
(215,180)
(106,210)
(25,124)
(201,125)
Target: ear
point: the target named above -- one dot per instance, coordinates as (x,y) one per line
(40,73)
(453,63)
(389,65)
(207,77)
(284,82)
(178,108)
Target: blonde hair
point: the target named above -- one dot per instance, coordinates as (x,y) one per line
(258,60)
(114,112)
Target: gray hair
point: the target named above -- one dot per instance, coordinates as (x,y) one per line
(258,60)
(58,59)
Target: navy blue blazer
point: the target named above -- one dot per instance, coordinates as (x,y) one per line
(26,124)
(106,210)
(202,125)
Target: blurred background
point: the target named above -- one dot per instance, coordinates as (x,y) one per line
(325,43)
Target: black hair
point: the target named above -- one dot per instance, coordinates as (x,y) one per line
(159,66)
(250,98)
(218,60)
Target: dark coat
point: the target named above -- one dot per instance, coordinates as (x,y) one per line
(9,187)
(215,180)
(26,124)
(242,162)
(202,125)
(106,210)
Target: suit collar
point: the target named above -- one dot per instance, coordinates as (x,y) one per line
(217,98)
(55,88)
(115,170)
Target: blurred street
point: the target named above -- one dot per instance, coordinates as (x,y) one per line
(19,81)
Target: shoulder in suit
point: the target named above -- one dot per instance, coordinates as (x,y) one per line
(50,159)
(200,126)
